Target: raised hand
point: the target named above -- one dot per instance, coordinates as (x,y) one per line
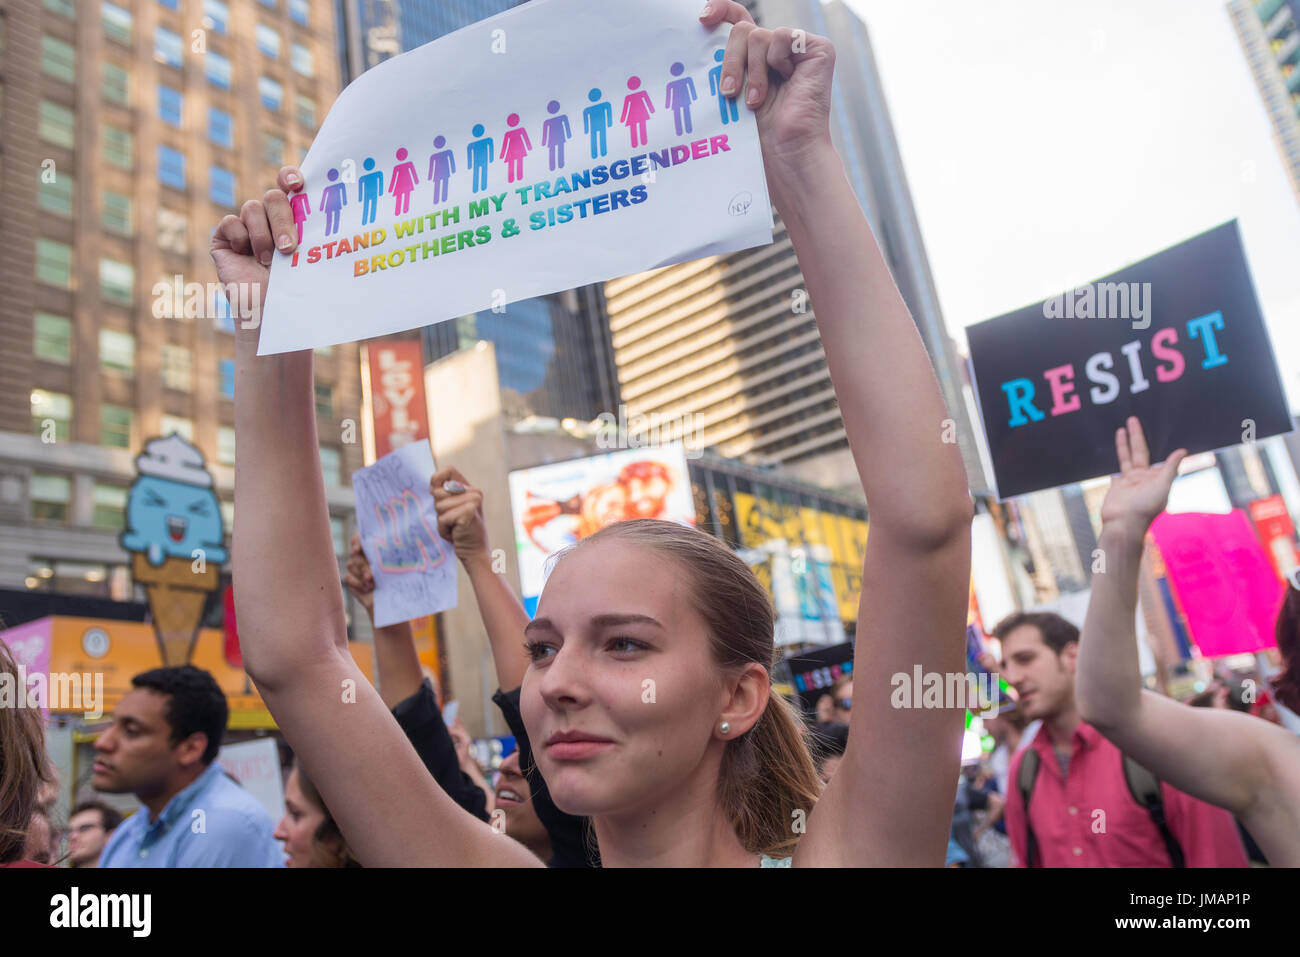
(242,246)
(1141,490)
(460,515)
(785,75)
(358,578)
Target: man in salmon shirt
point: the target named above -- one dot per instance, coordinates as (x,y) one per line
(1082,811)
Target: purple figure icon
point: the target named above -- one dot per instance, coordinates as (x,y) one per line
(514,147)
(681,94)
(637,108)
(400,183)
(554,132)
(332,200)
(727,104)
(479,154)
(441,165)
(368,189)
(301,207)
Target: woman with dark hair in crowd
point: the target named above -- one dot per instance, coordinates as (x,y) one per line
(1286,684)
(704,765)
(310,836)
(24,769)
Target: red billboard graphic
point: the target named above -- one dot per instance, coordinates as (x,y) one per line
(399,414)
(1276,532)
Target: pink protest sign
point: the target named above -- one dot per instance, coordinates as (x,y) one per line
(29,644)
(1225,585)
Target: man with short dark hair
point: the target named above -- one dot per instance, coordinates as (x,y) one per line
(162,748)
(1082,809)
(89,826)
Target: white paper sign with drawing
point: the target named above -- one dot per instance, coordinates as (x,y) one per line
(413,566)
(562,143)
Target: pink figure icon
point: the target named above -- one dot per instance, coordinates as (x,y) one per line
(400,183)
(636,110)
(514,147)
(301,207)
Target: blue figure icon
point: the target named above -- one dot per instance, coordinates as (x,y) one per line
(596,119)
(441,165)
(369,189)
(726,103)
(332,200)
(681,94)
(479,155)
(554,132)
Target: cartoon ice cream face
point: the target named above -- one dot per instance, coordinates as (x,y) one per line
(172,510)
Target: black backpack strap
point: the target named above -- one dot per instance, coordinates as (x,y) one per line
(1025,779)
(1145,788)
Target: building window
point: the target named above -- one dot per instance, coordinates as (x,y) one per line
(53,338)
(51,496)
(117,351)
(171,167)
(55,196)
(117,281)
(216,15)
(324,401)
(170,105)
(177,369)
(221,128)
(272,149)
(167,46)
(119,148)
(109,506)
(306,111)
(56,124)
(300,11)
(115,426)
(59,59)
(226,445)
(268,41)
(330,461)
(300,59)
(178,424)
(226,367)
(117,22)
(54,263)
(271,91)
(217,69)
(221,186)
(116,214)
(62,7)
(53,407)
(173,229)
(117,84)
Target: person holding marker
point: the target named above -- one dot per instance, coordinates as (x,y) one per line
(716,769)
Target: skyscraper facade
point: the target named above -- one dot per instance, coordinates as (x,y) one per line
(732,340)
(130,127)
(1269,31)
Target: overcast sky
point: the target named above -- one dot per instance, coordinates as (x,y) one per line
(1049,142)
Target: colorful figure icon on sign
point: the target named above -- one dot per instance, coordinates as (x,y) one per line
(478,155)
(555,131)
(369,187)
(727,104)
(441,165)
(680,96)
(637,108)
(402,182)
(596,119)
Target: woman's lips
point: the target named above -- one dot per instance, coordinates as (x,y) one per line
(576,750)
(508,795)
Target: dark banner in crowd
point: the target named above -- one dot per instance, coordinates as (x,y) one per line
(812,673)
(1177,339)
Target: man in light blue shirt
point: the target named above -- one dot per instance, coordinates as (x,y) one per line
(162,747)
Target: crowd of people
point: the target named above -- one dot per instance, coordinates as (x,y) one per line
(714,768)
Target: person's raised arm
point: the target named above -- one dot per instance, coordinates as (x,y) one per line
(917,567)
(1226,758)
(397,665)
(460,521)
(290,602)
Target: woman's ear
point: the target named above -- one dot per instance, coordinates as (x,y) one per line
(747,701)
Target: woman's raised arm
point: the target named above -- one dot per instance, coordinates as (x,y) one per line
(290,602)
(891,799)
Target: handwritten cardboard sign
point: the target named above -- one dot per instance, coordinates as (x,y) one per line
(558,144)
(413,566)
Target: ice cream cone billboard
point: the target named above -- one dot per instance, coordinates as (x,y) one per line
(176,539)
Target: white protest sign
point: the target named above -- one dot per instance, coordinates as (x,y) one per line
(256,766)
(413,566)
(561,143)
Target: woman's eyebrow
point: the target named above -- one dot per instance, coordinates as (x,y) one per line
(540,624)
(604,621)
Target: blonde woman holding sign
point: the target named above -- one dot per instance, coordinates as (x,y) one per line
(648,694)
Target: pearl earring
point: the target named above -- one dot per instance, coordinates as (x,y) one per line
(725,727)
